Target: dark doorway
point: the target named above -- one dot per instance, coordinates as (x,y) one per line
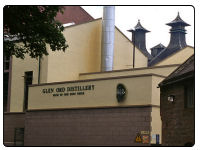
(27,81)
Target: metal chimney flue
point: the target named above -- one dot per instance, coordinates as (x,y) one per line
(108,36)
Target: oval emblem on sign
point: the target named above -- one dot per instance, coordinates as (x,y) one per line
(121,92)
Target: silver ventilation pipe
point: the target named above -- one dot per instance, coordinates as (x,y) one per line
(108,36)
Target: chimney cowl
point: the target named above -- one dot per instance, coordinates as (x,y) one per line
(177,33)
(139,39)
(140,36)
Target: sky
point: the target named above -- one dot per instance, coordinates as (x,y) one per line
(152,18)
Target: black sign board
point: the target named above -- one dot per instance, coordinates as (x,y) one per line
(121,92)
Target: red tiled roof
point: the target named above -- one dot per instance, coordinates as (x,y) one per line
(74,14)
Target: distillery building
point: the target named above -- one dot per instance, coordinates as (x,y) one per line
(103,91)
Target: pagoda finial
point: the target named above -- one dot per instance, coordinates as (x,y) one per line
(178,20)
(178,16)
(140,27)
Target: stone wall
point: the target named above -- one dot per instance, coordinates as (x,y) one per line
(87,127)
(177,121)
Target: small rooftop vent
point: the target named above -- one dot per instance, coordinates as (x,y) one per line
(157,49)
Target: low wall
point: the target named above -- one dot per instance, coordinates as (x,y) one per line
(159,70)
(96,93)
(87,127)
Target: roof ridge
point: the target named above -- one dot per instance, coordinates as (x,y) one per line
(159,46)
(86,12)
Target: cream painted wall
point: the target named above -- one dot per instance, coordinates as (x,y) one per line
(44,69)
(19,67)
(123,52)
(84,53)
(155,90)
(140,59)
(104,94)
(156,124)
(164,71)
(177,58)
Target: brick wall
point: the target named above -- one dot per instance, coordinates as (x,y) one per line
(86,127)
(11,121)
(177,121)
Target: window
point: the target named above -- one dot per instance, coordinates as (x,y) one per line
(27,81)
(189,96)
(5,90)
(6,62)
